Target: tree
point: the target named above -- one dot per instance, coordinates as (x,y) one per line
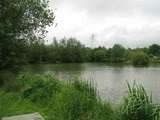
(154,50)
(22,21)
(140,58)
(100,56)
(71,50)
(89,54)
(108,55)
(35,52)
(117,54)
(54,51)
(67,51)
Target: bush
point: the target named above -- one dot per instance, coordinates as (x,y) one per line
(140,58)
(38,88)
(155,59)
(138,106)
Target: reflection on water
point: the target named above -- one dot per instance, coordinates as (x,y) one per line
(110,79)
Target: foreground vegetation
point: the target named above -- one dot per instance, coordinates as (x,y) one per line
(74,100)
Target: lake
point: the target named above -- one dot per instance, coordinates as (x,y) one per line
(110,79)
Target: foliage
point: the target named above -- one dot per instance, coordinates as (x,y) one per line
(21,22)
(35,52)
(154,59)
(154,50)
(29,20)
(99,56)
(66,51)
(36,87)
(140,58)
(138,105)
(62,100)
(1,81)
(117,54)
(73,100)
(72,51)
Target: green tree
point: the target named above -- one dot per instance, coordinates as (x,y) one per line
(140,58)
(35,52)
(67,51)
(89,54)
(108,55)
(21,21)
(100,56)
(54,51)
(117,54)
(154,50)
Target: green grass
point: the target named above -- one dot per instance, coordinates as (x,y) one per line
(75,100)
(12,104)
(138,105)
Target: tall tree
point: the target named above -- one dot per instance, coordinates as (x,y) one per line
(154,49)
(117,54)
(22,21)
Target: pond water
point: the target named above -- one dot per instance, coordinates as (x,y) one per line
(110,79)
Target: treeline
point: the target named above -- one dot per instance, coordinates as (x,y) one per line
(73,51)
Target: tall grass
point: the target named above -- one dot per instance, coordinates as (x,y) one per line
(138,105)
(75,100)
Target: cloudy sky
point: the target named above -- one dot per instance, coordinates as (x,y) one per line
(132,23)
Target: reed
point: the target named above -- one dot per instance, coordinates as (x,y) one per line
(74,100)
(138,105)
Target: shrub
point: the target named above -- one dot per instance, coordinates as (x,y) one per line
(140,58)
(155,59)
(39,88)
(138,105)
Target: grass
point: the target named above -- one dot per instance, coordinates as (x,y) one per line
(138,105)
(75,100)
(12,104)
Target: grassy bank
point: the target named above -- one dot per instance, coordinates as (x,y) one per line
(75,100)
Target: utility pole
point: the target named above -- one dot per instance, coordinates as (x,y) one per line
(92,40)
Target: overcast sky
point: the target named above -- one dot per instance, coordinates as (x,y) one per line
(132,23)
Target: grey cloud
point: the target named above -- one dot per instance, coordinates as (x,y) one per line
(143,37)
(98,12)
(107,7)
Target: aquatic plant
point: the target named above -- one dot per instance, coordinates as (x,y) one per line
(138,105)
